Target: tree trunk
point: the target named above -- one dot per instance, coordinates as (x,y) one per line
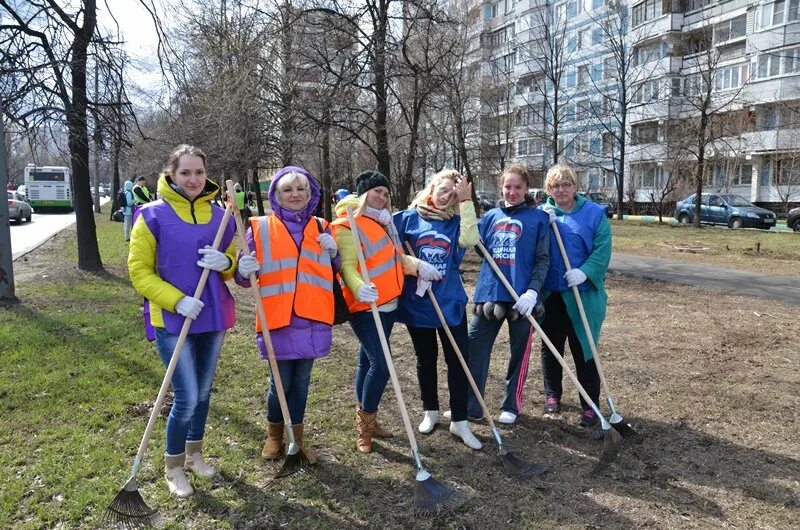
(327,193)
(88,250)
(6,261)
(381,134)
(257,190)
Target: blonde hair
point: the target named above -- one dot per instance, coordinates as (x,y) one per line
(177,153)
(519,169)
(289,179)
(426,193)
(560,172)
(362,203)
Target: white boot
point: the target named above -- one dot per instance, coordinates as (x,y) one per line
(429,421)
(462,430)
(194,460)
(447,414)
(507,417)
(177,481)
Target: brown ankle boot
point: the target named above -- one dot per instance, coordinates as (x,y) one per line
(273,448)
(365,423)
(378,431)
(297,430)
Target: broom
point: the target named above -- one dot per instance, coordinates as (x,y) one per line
(296,458)
(513,465)
(431,497)
(128,509)
(611,438)
(616,420)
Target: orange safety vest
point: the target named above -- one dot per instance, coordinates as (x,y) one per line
(292,280)
(382,258)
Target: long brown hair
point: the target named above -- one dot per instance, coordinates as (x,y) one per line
(519,169)
(177,153)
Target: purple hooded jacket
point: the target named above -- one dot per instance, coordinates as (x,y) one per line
(302,338)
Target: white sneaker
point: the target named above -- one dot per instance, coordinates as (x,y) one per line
(447,414)
(462,430)
(429,421)
(178,483)
(507,417)
(196,464)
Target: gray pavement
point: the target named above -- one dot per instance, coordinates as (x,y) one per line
(782,288)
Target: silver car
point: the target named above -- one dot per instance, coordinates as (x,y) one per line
(18,209)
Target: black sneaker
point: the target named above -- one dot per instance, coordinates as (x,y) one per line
(588,418)
(552,405)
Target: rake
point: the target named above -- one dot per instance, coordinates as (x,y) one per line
(128,509)
(431,497)
(616,420)
(296,458)
(611,438)
(513,465)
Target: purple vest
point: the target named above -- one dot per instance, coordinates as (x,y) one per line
(177,243)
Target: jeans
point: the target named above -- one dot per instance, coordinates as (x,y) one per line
(482,334)
(372,373)
(426,348)
(295,376)
(191,384)
(558,328)
(127,222)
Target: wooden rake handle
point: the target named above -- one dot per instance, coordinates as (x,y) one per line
(541,333)
(581,310)
(176,353)
(384,343)
(456,349)
(262,319)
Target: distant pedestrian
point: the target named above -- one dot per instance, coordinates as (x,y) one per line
(127,210)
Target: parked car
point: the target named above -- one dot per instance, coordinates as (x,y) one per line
(486,200)
(601,199)
(733,211)
(538,195)
(18,208)
(793,219)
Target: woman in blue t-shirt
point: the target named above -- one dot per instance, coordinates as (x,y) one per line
(439,225)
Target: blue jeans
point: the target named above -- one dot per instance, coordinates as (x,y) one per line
(482,334)
(295,376)
(372,373)
(191,384)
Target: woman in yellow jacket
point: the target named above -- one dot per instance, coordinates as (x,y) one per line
(387,265)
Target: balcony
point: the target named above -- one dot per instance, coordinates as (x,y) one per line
(658,26)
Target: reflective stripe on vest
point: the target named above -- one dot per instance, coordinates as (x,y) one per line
(381,257)
(292,281)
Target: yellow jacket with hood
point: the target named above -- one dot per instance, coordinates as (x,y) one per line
(142,252)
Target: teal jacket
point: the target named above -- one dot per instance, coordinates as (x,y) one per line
(595,299)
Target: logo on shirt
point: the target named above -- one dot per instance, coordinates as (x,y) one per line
(434,248)
(505,233)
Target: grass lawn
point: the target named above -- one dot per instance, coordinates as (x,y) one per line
(709,379)
(748,249)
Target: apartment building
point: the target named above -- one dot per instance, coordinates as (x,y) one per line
(576,70)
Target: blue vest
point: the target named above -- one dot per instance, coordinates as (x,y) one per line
(511,239)
(577,231)
(176,263)
(434,241)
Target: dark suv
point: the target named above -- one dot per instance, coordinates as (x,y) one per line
(601,199)
(793,219)
(733,211)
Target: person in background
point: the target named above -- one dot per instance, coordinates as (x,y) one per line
(141,193)
(292,247)
(516,236)
(586,234)
(170,247)
(387,265)
(127,210)
(439,226)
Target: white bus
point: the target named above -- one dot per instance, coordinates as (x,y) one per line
(48,187)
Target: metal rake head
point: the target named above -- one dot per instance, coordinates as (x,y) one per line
(128,511)
(518,468)
(611,443)
(292,464)
(431,498)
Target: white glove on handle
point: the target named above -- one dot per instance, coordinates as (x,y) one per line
(213,259)
(526,303)
(422,286)
(428,272)
(551,212)
(575,277)
(189,307)
(248,264)
(327,242)
(367,293)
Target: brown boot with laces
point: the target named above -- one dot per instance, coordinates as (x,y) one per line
(365,423)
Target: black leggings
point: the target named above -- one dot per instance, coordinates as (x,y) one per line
(558,328)
(426,348)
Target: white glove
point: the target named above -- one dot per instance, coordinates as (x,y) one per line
(248,264)
(367,293)
(189,307)
(213,259)
(551,212)
(428,272)
(327,242)
(575,277)
(526,303)
(422,286)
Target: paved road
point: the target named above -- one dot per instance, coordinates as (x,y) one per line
(782,288)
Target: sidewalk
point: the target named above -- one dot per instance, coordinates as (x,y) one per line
(782,288)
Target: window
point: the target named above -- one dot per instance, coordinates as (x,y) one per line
(528,147)
(647,10)
(597,36)
(583,39)
(583,109)
(730,29)
(645,92)
(561,12)
(778,12)
(609,68)
(731,76)
(595,145)
(676,87)
(646,133)
(787,172)
(571,78)
(526,85)
(584,77)
(647,53)
(581,144)
(646,175)
(691,5)
(768,65)
(608,143)
(528,116)
(596,4)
